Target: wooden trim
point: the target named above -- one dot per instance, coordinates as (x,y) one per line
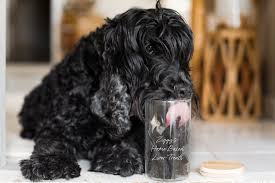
(198,27)
(2,80)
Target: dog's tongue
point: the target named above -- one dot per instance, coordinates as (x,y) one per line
(178,113)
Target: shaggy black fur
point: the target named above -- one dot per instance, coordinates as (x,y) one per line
(91,104)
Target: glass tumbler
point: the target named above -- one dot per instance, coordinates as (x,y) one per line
(167,139)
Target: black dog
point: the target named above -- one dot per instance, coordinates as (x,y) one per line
(91,105)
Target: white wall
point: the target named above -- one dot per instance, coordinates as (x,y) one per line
(184,7)
(2,78)
(110,8)
(56,14)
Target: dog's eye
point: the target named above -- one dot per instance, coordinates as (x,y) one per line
(149,48)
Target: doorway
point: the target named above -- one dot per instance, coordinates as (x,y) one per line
(28,31)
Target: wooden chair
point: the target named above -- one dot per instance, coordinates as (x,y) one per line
(231,76)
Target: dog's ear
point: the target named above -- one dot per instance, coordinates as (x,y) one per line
(121,48)
(112,41)
(112,104)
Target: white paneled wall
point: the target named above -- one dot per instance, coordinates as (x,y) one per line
(2,78)
(56,14)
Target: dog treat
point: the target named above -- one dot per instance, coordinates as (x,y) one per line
(167,139)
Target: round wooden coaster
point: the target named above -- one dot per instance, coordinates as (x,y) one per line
(221,168)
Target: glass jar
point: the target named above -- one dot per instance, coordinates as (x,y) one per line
(167,139)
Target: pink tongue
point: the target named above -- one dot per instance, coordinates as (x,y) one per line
(179,110)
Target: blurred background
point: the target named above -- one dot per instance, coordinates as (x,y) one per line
(42,32)
(232,66)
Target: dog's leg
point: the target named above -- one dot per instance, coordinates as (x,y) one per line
(122,158)
(53,157)
(112,104)
(30,116)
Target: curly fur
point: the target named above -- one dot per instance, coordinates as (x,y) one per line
(91,105)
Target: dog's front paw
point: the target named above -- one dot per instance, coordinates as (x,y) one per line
(118,161)
(131,163)
(49,167)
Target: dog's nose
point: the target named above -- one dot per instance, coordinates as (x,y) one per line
(182,91)
(178,89)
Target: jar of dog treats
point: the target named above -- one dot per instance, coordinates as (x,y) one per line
(167,139)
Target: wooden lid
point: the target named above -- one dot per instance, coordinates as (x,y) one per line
(221,168)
